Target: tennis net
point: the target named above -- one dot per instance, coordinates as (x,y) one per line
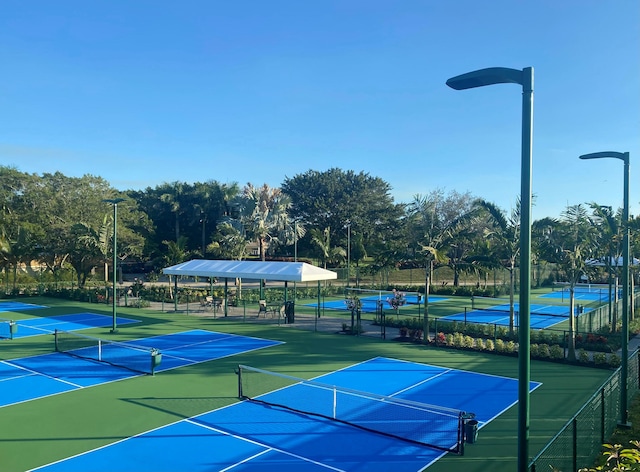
(419,423)
(585,288)
(135,358)
(7,328)
(503,305)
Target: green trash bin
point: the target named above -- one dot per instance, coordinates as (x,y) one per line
(13,329)
(289,311)
(471,431)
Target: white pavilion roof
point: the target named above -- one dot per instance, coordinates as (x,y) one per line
(267,270)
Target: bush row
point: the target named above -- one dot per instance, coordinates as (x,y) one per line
(553,352)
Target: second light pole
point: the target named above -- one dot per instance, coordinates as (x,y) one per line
(524,77)
(624,157)
(114,297)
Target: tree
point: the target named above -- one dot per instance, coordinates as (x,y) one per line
(505,232)
(439,226)
(572,242)
(329,199)
(229,243)
(265,215)
(328,253)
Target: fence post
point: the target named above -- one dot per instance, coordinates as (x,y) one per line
(602,415)
(575,444)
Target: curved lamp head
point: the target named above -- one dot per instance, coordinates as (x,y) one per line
(623,156)
(489,76)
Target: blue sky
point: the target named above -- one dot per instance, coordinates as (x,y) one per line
(145,92)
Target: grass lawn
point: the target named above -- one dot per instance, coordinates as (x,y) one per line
(52,428)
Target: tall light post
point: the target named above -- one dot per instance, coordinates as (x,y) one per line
(348,226)
(624,157)
(203,221)
(348,253)
(524,77)
(114,202)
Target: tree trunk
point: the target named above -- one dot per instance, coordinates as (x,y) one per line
(572,326)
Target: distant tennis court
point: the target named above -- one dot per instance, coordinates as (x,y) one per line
(258,434)
(370,303)
(589,293)
(542,316)
(10,305)
(72,322)
(29,378)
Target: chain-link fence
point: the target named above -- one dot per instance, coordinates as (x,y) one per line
(580,440)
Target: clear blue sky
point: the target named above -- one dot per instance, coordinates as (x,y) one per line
(145,92)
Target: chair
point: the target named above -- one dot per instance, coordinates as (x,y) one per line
(218,304)
(262,307)
(203,304)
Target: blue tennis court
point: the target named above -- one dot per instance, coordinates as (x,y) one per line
(29,378)
(254,436)
(10,305)
(370,303)
(593,294)
(72,322)
(542,316)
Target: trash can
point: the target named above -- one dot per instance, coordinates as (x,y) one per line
(13,329)
(471,431)
(289,312)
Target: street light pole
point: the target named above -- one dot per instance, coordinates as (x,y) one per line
(524,77)
(348,253)
(114,202)
(624,157)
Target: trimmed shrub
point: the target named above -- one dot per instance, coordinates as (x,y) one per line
(614,360)
(544,351)
(583,356)
(599,358)
(534,350)
(556,352)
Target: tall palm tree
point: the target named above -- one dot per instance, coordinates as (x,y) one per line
(322,240)
(609,248)
(574,241)
(173,197)
(265,215)
(505,231)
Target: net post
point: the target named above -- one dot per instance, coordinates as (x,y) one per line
(156,359)
(461,438)
(335,402)
(55,337)
(239,373)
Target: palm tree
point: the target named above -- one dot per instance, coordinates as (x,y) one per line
(505,231)
(322,240)
(574,241)
(265,215)
(610,241)
(173,197)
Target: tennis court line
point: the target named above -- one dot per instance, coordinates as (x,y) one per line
(399,392)
(197,422)
(253,441)
(55,384)
(41,374)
